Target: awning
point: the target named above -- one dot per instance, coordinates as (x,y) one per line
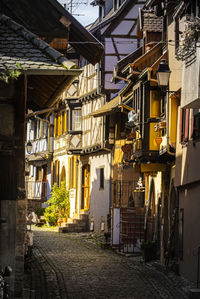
(115,105)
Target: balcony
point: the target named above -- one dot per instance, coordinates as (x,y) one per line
(36,190)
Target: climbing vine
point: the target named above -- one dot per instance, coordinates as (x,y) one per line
(8,74)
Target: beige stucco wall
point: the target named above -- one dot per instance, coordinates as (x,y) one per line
(187,160)
(190,96)
(174,65)
(189,201)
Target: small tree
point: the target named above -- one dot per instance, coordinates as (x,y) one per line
(58,204)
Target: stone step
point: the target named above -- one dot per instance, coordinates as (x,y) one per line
(66,224)
(83,216)
(79,221)
(70,230)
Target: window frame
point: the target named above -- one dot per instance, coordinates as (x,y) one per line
(101,178)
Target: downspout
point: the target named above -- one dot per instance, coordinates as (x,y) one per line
(167,127)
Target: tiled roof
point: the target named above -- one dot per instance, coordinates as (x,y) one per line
(110,16)
(18,45)
(151,22)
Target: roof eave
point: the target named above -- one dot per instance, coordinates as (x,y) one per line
(46,72)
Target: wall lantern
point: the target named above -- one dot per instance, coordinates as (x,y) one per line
(163,74)
(29,147)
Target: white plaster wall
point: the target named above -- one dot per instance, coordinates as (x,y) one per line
(190,93)
(157,184)
(99,198)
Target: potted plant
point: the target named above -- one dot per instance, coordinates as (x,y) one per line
(149,249)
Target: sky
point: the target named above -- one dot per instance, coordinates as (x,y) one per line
(84,13)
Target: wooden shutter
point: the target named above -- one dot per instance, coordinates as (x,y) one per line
(58,124)
(55,125)
(180,125)
(192,124)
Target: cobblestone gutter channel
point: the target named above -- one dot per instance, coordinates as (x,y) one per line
(74,266)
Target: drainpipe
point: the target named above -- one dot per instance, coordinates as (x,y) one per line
(167,127)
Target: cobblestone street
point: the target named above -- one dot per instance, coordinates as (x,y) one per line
(72,266)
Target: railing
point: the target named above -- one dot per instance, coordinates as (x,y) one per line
(124,194)
(36,190)
(131,229)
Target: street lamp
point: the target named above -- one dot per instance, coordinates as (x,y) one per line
(29,147)
(163,74)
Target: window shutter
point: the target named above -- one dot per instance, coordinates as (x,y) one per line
(58,124)
(181,125)
(55,126)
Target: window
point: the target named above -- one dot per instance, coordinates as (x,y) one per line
(196,125)
(101,179)
(76,120)
(194,8)
(39,174)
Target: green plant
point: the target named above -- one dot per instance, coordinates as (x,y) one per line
(8,74)
(40,211)
(58,204)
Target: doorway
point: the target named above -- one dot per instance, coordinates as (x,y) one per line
(85,198)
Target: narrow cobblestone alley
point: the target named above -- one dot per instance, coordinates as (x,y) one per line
(69,266)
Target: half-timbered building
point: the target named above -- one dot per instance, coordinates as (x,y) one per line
(40,74)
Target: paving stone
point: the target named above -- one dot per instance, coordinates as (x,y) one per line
(71,266)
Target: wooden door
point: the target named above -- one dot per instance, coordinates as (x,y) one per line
(44,181)
(85,187)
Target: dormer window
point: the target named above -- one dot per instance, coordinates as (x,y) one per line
(101,11)
(101,5)
(116,4)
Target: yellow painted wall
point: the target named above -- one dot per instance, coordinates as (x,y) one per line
(153,146)
(118,153)
(173,102)
(155,101)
